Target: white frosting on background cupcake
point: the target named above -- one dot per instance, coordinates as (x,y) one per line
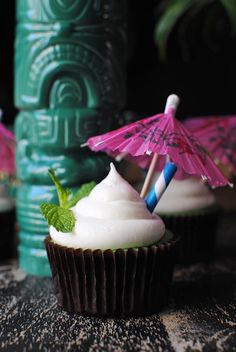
(112,216)
(185,195)
(6,202)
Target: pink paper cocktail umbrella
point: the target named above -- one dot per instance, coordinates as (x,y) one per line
(7,151)
(163,135)
(170,109)
(218,136)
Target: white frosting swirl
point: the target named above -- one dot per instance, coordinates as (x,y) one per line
(6,202)
(185,195)
(112,216)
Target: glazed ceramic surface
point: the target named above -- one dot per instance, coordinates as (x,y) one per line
(69,85)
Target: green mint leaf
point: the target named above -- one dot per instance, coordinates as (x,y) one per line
(82,192)
(63,193)
(62,219)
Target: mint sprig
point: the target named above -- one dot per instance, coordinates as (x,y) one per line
(82,192)
(63,193)
(61,217)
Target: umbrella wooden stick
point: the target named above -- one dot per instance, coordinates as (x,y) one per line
(149,175)
(171,107)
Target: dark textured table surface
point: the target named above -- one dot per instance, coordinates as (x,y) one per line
(201,315)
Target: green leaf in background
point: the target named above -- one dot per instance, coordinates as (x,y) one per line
(62,219)
(171,13)
(230,8)
(188,19)
(63,193)
(184,11)
(82,192)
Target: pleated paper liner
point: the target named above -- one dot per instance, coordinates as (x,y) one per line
(132,282)
(197,232)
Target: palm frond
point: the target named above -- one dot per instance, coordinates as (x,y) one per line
(230,8)
(173,11)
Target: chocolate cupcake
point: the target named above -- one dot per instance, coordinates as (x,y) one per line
(189,209)
(113,283)
(118,259)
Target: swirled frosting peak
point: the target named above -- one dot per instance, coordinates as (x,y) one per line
(112,216)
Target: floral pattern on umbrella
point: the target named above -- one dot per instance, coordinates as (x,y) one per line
(218,135)
(164,135)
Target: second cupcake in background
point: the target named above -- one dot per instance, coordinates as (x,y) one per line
(188,207)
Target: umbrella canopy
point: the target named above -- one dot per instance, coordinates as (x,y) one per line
(218,136)
(166,136)
(7,151)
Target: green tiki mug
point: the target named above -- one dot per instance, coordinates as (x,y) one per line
(69,85)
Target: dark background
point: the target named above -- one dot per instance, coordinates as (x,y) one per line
(7,29)
(205,81)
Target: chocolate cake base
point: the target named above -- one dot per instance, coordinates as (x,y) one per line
(118,283)
(197,232)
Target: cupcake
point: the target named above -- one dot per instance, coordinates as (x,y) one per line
(7,222)
(189,208)
(118,258)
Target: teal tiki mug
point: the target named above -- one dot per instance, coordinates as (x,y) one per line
(69,85)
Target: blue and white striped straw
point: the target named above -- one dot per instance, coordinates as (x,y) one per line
(160,186)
